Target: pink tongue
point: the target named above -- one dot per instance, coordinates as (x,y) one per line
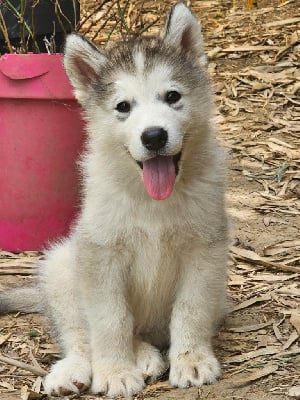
(159,177)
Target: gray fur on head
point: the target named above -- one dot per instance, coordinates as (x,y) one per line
(84,62)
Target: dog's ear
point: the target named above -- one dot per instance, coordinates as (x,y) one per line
(82,62)
(183,31)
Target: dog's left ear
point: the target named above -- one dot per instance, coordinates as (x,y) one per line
(183,31)
(82,62)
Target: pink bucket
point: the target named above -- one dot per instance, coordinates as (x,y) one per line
(41,137)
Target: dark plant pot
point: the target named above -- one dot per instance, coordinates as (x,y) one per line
(44,19)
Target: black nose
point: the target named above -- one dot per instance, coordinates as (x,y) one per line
(154,138)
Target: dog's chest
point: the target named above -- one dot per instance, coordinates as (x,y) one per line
(153,276)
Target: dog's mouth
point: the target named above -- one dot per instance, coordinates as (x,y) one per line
(159,174)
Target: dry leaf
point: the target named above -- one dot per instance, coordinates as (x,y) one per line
(264,277)
(290,290)
(158,387)
(282,22)
(281,247)
(249,328)
(3,338)
(253,257)
(248,254)
(295,350)
(247,48)
(248,303)
(236,280)
(293,337)
(277,332)
(6,385)
(253,354)
(28,394)
(295,320)
(254,376)
(24,393)
(294,391)
(36,387)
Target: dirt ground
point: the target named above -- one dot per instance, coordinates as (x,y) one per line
(254,59)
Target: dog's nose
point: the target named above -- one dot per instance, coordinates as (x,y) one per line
(154,138)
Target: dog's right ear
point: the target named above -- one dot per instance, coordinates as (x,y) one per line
(82,62)
(183,31)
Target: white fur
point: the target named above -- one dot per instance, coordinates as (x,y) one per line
(137,275)
(66,373)
(149,360)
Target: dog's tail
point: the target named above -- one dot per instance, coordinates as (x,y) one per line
(26,299)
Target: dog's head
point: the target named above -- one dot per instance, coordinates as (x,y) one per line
(146,94)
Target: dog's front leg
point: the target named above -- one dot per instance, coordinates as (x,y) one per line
(104,280)
(200,297)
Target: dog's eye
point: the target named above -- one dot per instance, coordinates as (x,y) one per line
(172,97)
(123,107)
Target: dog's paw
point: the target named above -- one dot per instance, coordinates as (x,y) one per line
(194,369)
(69,375)
(115,379)
(149,361)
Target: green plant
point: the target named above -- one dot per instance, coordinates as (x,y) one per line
(99,21)
(21,22)
(115,18)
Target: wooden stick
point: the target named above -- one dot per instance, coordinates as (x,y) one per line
(35,370)
(282,22)
(246,47)
(253,258)
(17,271)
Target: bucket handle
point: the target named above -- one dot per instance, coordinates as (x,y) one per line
(22,66)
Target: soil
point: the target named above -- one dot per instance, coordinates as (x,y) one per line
(254,59)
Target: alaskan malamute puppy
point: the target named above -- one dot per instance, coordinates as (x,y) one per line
(144,267)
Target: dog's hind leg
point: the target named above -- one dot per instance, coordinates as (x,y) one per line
(72,374)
